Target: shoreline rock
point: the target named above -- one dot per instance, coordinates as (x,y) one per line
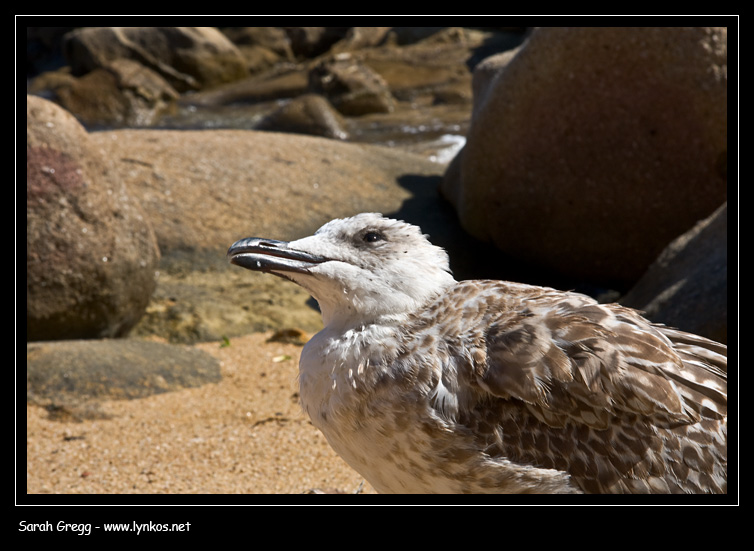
(687,285)
(91,252)
(590,149)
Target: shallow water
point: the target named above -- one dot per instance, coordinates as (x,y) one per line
(436,132)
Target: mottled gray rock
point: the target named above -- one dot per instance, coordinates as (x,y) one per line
(63,372)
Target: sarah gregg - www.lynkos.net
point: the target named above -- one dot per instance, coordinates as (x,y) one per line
(85,529)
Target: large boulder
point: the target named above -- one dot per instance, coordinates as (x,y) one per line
(590,149)
(261,47)
(352,87)
(122,92)
(189,58)
(204,189)
(90,252)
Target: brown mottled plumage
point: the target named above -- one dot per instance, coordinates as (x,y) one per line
(425,384)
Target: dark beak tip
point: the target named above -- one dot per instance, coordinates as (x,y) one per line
(259,254)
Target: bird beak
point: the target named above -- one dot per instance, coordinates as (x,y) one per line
(268,255)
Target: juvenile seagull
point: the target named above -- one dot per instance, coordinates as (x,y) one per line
(425,384)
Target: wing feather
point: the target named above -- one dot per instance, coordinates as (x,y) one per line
(555,380)
(571,359)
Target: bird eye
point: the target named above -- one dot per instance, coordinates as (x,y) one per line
(372,236)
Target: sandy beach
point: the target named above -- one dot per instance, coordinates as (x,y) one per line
(246,434)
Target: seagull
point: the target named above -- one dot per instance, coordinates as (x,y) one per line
(425,384)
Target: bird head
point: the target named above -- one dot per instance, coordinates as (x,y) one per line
(361,268)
